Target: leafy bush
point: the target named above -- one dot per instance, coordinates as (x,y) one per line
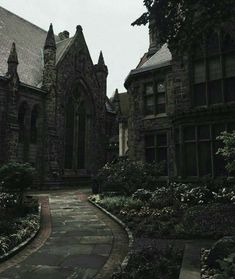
(120,202)
(8,200)
(16,177)
(127,176)
(150,262)
(228,150)
(13,232)
(142,194)
(212,220)
(162,197)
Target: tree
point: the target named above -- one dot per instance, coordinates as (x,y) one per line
(228,150)
(181,23)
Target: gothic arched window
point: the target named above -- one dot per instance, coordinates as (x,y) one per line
(34,125)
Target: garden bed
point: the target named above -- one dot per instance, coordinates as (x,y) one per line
(173,221)
(19,223)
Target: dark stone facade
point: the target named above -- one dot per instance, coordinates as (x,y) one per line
(60,125)
(186,119)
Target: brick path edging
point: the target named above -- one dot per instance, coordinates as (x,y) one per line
(127,230)
(23,244)
(37,242)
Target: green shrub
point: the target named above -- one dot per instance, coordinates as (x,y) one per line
(151,262)
(142,194)
(16,177)
(127,176)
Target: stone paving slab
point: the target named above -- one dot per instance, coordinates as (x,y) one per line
(83,243)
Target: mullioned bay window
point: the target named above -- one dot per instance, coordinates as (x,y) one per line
(196,147)
(214,71)
(154,98)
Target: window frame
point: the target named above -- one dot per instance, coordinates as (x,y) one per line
(206,57)
(155,96)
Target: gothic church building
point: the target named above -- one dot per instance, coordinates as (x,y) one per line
(53,104)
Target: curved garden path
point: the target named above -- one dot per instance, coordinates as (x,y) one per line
(77,240)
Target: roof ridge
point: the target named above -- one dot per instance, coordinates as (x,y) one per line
(58,42)
(21,18)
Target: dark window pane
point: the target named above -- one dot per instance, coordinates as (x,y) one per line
(161,101)
(161,87)
(204,132)
(204,158)
(199,72)
(200,94)
(228,42)
(229,66)
(177,155)
(149,140)
(190,159)
(161,108)
(189,133)
(215,69)
(81,136)
(161,140)
(230,89)
(149,105)
(149,89)
(177,135)
(215,92)
(219,163)
(213,45)
(69,135)
(162,157)
(150,155)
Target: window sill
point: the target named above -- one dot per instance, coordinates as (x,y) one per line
(153,116)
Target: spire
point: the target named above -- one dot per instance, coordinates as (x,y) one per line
(101,59)
(50,39)
(13,58)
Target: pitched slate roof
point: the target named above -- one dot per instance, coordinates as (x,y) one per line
(29,40)
(161,58)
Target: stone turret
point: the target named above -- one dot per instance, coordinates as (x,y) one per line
(102,72)
(116,102)
(12,61)
(49,71)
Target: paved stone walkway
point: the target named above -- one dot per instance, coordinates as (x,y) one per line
(84,243)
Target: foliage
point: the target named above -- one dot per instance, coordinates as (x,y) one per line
(215,220)
(127,176)
(228,151)
(16,177)
(227,267)
(142,194)
(7,200)
(13,232)
(181,23)
(153,263)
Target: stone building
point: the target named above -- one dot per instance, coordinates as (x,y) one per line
(179,105)
(54,112)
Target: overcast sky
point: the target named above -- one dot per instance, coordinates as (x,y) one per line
(106,26)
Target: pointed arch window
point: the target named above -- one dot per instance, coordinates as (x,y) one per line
(34,125)
(76,130)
